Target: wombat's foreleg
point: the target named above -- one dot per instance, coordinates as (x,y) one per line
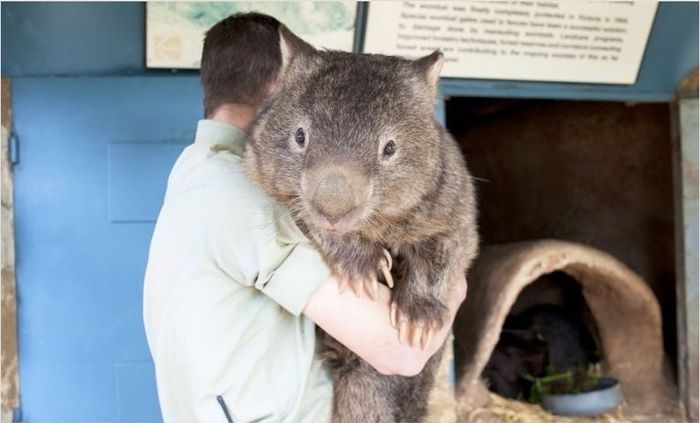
(418,307)
(357,262)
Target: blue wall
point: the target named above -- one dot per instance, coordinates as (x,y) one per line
(97,135)
(94,156)
(42,38)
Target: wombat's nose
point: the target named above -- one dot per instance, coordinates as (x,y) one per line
(334,196)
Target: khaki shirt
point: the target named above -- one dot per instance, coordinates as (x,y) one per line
(227,277)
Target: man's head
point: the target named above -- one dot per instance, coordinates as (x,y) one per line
(240,61)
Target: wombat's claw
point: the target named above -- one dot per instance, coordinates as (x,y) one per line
(371,287)
(387,256)
(410,333)
(415,335)
(345,282)
(342,282)
(385,267)
(361,286)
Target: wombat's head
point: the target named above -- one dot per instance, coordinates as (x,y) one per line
(348,141)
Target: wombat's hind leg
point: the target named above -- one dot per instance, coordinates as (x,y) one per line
(363,395)
(414,392)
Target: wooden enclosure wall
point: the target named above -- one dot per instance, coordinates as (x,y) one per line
(597,173)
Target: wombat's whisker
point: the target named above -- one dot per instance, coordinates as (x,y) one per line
(381,220)
(480,179)
(294,207)
(372,223)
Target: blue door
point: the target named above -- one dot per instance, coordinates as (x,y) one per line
(94,156)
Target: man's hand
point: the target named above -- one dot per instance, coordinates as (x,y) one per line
(364,326)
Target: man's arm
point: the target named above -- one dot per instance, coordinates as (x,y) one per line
(363,325)
(300,283)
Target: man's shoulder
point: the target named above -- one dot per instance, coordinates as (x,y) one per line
(224,173)
(213,185)
(219,170)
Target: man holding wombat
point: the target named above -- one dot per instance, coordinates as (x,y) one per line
(233,287)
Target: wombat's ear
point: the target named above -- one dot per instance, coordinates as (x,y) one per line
(292,47)
(430,67)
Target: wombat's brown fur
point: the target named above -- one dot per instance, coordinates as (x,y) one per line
(321,145)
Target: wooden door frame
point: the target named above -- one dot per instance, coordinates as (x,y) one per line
(10,380)
(685,174)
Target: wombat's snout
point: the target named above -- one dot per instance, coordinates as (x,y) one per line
(334,197)
(336,191)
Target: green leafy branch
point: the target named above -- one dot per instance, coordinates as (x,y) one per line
(579,379)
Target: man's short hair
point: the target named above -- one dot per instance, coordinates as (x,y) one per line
(240,58)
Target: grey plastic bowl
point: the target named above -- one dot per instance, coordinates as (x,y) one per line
(603,398)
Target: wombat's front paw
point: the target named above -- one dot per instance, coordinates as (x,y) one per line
(359,284)
(418,320)
(369,283)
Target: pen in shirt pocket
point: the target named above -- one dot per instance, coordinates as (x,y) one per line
(222,403)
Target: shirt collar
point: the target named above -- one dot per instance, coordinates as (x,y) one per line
(220,136)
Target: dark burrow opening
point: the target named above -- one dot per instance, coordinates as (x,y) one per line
(548,344)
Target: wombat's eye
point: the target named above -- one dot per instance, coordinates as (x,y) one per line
(389,149)
(300,137)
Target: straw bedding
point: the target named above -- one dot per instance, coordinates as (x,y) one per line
(500,409)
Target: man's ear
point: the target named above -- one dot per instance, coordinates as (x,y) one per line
(429,67)
(292,48)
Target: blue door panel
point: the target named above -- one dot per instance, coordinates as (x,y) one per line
(136,400)
(50,392)
(135,173)
(95,154)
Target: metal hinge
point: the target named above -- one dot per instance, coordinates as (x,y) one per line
(13,149)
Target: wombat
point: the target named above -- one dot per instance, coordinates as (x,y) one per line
(544,338)
(519,353)
(350,144)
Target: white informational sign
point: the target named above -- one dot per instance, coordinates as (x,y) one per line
(562,41)
(175,29)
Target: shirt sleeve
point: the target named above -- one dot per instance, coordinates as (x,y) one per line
(295,279)
(261,246)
